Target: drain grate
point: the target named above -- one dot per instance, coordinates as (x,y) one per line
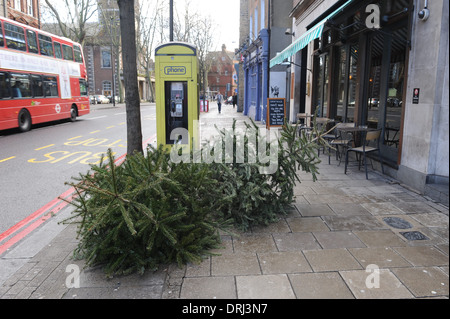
(414,235)
(397,222)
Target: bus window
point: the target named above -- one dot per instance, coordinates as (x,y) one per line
(20,84)
(5,92)
(77,52)
(36,85)
(50,86)
(2,42)
(45,44)
(67,52)
(83,88)
(32,42)
(15,37)
(58,53)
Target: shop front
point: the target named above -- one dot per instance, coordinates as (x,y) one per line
(256,70)
(356,70)
(382,64)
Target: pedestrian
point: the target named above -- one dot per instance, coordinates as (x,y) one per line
(219,98)
(234,99)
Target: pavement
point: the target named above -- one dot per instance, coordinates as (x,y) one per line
(345,238)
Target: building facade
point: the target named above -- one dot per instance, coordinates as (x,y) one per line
(222,74)
(267,23)
(102,54)
(23,11)
(380,64)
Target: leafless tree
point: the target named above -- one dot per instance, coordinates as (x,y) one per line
(151,14)
(71,16)
(193,27)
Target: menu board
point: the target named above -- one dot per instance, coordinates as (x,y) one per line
(276,112)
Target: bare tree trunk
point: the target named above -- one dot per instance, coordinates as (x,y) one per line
(132,100)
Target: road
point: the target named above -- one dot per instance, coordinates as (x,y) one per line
(35,165)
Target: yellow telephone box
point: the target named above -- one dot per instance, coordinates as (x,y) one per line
(177,94)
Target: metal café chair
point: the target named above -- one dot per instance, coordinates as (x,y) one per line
(370,144)
(341,141)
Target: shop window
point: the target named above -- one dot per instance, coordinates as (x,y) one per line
(321,76)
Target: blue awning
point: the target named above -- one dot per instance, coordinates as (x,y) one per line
(313,33)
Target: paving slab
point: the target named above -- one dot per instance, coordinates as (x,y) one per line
(383,257)
(209,288)
(424,281)
(331,260)
(308,210)
(383,208)
(307,224)
(339,223)
(324,285)
(286,262)
(423,256)
(338,239)
(295,241)
(254,243)
(235,264)
(380,238)
(349,209)
(264,287)
(364,286)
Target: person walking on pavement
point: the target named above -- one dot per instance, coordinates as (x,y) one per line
(234,99)
(219,98)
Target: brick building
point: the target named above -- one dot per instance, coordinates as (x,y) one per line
(23,11)
(222,76)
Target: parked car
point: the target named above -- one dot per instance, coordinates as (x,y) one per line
(116,99)
(101,99)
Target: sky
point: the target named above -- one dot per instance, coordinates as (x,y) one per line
(225,14)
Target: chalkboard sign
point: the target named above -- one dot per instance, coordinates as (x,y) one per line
(276,112)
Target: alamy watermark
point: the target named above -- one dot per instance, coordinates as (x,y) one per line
(373,279)
(373,17)
(251,145)
(73,279)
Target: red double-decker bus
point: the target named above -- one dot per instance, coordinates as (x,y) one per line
(42,77)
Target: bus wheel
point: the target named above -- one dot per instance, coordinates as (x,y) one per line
(73,113)
(24,120)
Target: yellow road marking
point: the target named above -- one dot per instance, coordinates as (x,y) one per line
(7,159)
(110,127)
(95,132)
(41,148)
(74,138)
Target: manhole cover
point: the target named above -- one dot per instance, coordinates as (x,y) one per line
(397,222)
(414,235)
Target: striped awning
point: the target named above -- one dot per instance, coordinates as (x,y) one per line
(313,33)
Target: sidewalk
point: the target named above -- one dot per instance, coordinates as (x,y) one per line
(339,226)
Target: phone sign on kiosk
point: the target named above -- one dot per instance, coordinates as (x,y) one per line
(177,94)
